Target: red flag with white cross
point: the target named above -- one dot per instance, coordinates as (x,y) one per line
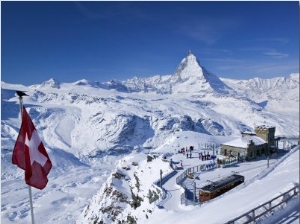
(30,154)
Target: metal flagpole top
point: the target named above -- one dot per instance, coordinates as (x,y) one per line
(21,94)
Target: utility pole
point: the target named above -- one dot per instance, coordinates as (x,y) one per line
(195,197)
(161,178)
(268,157)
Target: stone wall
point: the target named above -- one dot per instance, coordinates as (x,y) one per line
(252,151)
(266,133)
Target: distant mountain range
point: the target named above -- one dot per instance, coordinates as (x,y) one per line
(91,119)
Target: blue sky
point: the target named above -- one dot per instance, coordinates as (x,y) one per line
(100,41)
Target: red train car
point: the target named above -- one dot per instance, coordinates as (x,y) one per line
(216,188)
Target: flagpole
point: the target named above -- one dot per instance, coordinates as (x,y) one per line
(29,187)
(31,205)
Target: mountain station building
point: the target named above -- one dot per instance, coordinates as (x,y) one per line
(252,145)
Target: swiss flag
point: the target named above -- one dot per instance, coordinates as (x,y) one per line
(30,154)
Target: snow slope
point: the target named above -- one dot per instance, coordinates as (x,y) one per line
(283,172)
(284,176)
(87,127)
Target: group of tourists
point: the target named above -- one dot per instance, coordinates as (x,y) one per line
(204,156)
(188,152)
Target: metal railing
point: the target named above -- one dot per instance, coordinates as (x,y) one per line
(195,169)
(188,200)
(266,207)
(188,197)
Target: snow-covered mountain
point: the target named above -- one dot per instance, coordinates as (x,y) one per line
(189,77)
(81,123)
(276,94)
(141,112)
(193,99)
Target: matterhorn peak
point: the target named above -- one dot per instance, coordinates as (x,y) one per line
(189,68)
(191,73)
(191,58)
(190,53)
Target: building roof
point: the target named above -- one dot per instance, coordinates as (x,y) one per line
(264,127)
(243,141)
(249,133)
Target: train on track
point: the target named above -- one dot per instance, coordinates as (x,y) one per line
(216,188)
